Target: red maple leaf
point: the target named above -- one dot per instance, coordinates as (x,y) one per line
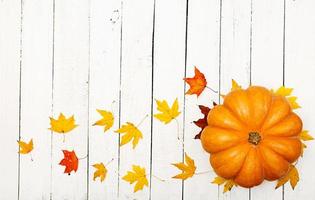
(70,161)
(197,83)
(202,122)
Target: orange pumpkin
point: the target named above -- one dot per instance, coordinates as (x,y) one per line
(252,136)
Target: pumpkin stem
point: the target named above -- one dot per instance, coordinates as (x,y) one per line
(254,137)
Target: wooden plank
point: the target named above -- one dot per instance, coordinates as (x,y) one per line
(36,98)
(299,74)
(203,52)
(10,11)
(169,71)
(235,59)
(267,63)
(104,89)
(136,88)
(70,94)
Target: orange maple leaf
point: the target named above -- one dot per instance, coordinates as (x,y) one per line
(70,161)
(197,83)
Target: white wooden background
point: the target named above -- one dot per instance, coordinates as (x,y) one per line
(74,56)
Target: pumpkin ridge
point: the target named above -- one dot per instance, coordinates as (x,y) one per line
(271,103)
(268,110)
(242,133)
(236,117)
(242,165)
(263,146)
(284,118)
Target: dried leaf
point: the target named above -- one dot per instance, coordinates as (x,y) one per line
(107,121)
(202,122)
(166,114)
(188,169)
(130,132)
(235,85)
(25,148)
(228,184)
(286,92)
(138,176)
(292,176)
(62,124)
(197,83)
(305,136)
(100,171)
(70,161)
(218,180)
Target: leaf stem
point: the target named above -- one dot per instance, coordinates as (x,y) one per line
(109,162)
(142,120)
(83,157)
(211,89)
(177,125)
(204,172)
(158,178)
(31,157)
(64,138)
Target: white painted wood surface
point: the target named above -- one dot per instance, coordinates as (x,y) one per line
(77,56)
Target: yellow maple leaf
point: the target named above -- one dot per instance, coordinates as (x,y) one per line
(131,132)
(188,169)
(228,184)
(286,92)
(138,176)
(62,124)
(292,175)
(107,121)
(235,85)
(25,148)
(100,171)
(218,180)
(166,114)
(305,136)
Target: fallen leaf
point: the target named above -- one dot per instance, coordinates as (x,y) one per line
(286,92)
(107,121)
(202,122)
(228,184)
(131,132)
(235,85)
(70,161)
(138,176)
(218,180)
(197,83)
(305,136)
(62,124)
(188,169)
(166,114)
(25,148)
(292,175)
(100,171)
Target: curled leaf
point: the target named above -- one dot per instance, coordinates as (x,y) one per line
(130,132)
(202,122)
(188,169)
(25,148)
(292,176)
(138,176)
(197,83)
(107,121)
(228,184)
(100,171)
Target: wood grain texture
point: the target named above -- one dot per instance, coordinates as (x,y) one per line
(10,23)
(104,93)
(36,79)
